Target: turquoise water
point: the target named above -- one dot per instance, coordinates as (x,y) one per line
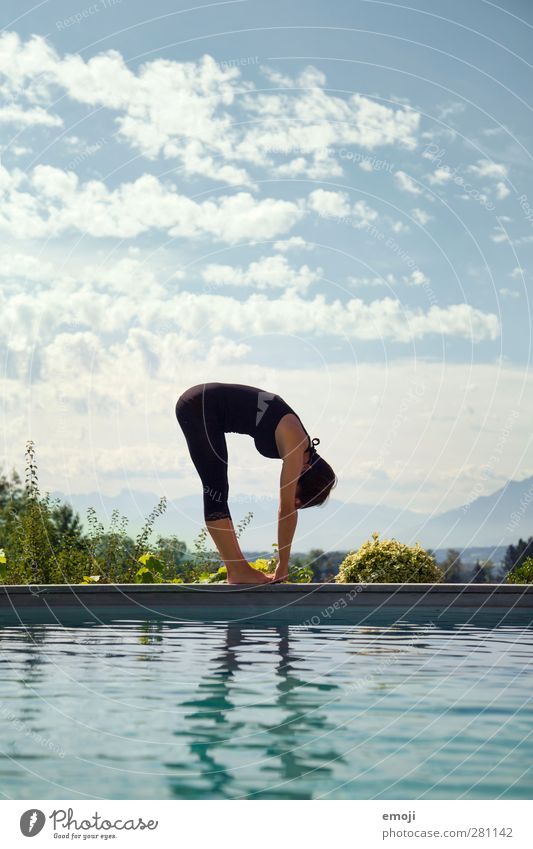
(177,711)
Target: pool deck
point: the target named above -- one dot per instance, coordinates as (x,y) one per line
(305,604)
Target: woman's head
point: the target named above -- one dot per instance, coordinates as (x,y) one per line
(315,483)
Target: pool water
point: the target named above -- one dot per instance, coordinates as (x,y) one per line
(163,710)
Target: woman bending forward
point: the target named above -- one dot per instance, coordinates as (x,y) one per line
(205,413)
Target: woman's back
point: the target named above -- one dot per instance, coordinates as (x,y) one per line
(241,408)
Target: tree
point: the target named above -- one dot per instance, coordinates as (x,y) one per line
(516,554)
(482,573)
(171,550)
(10,489)
(453,567)
(68,527)
(318,561)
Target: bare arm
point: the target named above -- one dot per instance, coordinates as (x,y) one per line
(286,528)
(287,513)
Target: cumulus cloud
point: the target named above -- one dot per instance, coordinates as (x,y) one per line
(406,183)
(416,278)
(485,168)
(60,203)
(21,117)
(387,279)
(502,191)
(294,243)
(330,204)
(421,216)
(188,111)
(271,272)
(101,302)
(492,171)
(440,176)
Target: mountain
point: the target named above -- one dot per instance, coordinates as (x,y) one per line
(489,521)
(495,520)
(335,525)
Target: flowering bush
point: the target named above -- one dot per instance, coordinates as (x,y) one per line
(522,574)
(388,561)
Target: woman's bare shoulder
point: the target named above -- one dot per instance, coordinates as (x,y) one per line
(290,435)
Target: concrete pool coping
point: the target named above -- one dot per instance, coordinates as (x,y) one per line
(296,603)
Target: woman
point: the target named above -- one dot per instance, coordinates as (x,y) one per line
(205,413)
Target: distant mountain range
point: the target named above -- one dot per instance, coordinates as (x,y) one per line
(487,522)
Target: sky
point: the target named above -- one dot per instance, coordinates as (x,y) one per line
(331,201)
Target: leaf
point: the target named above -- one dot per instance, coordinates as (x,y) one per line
(151,561)
(144,576)
(144,557)
(148,577)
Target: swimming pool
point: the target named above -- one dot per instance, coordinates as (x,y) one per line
(211,710)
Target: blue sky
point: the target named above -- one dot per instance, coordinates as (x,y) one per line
(330,201)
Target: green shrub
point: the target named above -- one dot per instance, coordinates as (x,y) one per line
(388,561)
(522,574)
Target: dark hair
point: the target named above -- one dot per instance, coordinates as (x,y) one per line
(316,482)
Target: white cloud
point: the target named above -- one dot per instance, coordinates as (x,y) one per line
(20,117)
(294,243)
(189,111)
(24,266)
(271,272)
(336,205)
(100,302)
(492,171)
(517,273)
(502,191)
(223,350)
(60,203)
(421,216)
(499,235)
(485,168)
(381,319)
(406,183)
(386,280)
(319,167)
(509,293)
(416,278)
(451,109)
(400,227)
(69,353)
(329,204)
(440,175)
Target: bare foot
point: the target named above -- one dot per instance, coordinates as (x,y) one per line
(246,574)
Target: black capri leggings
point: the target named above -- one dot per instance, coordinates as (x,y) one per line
(200,420)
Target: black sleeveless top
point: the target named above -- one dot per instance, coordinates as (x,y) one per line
(248,409)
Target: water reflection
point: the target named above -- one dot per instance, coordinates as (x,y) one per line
(282,749)
(161,709)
